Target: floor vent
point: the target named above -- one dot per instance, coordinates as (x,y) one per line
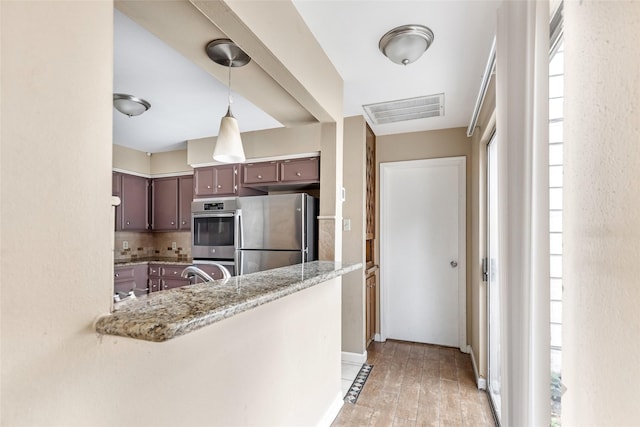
(406,109)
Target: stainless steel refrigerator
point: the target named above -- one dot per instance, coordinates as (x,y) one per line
(276,231)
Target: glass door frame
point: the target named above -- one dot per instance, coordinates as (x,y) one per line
(494,375)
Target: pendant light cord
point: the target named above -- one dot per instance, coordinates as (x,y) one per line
(230,62)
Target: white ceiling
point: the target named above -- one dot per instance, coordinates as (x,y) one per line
(187,102)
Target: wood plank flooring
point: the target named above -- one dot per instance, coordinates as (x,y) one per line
(417,385)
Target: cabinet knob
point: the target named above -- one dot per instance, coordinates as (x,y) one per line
(184,222)
(219,186)
(173,223)
(128,222)
(175,272)
(117,275)
(209,187)
(259,176)
(298,174)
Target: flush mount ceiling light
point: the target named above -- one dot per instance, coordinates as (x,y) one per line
(228,144)
(405,44)
(129,104)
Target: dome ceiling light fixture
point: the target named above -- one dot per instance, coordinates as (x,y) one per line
(405,44)
(228,147)
(129,105)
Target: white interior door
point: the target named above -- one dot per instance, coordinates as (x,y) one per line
(422,251)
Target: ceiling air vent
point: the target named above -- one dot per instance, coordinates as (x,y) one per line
(406,109)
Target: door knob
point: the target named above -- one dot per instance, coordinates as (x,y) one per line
(454,264)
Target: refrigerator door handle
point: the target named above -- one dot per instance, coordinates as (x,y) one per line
(239,240)
(239,237)
(239,263)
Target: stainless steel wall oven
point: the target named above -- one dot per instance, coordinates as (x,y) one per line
(215,229)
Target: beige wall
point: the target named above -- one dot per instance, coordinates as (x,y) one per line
(427,145)
(54,369)
(353,245)
(151,165)
(601,225)
(128,159)
(170,162)
(268,143)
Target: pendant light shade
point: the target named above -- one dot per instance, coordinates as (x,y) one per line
(229,144)
(228,147)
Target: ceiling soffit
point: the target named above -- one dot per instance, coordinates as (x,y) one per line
(183,27)
(291,55)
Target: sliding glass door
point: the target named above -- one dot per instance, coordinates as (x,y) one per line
(493,289)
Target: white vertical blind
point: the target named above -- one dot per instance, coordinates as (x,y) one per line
(556,138)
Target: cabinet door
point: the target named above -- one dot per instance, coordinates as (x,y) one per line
(212,271)
(165,204)
(172,271)
(225,179)
(154,270)
(173,283)
(260,173)
(204,181)
(370,307)
(135,203)
(185,197)
(117,191)
(154,284)
(141,279)
(130,278)
(300,170)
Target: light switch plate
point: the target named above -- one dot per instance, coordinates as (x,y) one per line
(346,224)
(125,244)
(174,246)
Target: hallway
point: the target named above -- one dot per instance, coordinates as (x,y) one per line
(417,385)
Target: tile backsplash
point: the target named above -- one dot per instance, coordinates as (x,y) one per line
(146,245)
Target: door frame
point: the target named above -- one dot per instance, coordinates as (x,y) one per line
(460,162)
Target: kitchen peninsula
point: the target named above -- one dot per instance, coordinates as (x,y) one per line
(165,315)
(258,349)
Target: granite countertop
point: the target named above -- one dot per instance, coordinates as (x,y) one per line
(153,260)
(161,316)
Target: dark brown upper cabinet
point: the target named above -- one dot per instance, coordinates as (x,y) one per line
(216,181)
(133,212)
(171,203)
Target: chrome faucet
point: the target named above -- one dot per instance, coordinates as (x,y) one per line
(192,270)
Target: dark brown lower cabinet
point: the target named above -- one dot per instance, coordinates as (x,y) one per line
(212,271)
(130,278)
(164,276)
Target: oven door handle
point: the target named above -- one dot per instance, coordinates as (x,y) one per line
(213,214)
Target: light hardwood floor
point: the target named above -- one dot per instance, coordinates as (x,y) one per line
(417,385)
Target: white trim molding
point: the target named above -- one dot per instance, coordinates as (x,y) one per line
(354,358)
(460,162)
(261,159)
(332,411)
(481,382)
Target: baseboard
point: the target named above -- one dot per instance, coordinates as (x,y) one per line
(378,338)
(332,411)
(481,382)
(354,358)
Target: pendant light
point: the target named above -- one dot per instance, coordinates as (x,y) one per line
(228,147)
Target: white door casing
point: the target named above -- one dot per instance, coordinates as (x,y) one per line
(423,231)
